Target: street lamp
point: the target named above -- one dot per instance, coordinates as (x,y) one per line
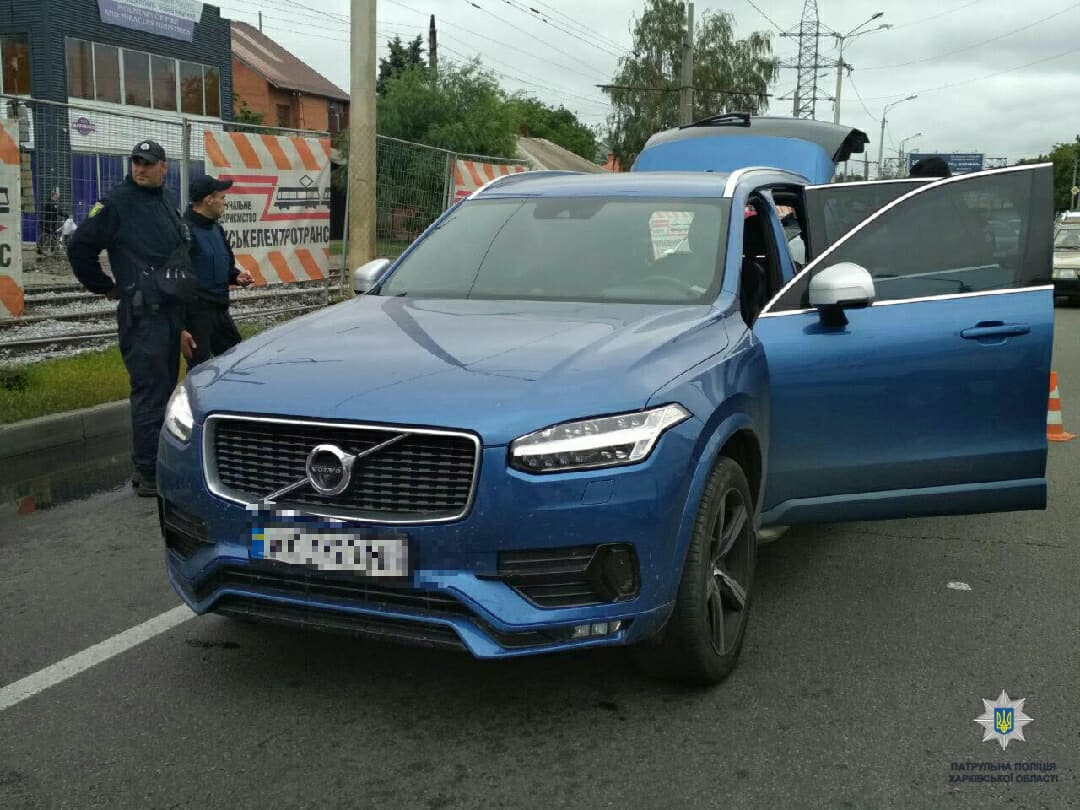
(840,40)
(900,153)
(884,115)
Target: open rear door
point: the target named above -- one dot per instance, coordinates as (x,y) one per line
(732,141)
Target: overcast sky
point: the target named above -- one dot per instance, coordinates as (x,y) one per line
(1019,112)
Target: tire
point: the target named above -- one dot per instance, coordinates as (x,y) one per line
(701,641)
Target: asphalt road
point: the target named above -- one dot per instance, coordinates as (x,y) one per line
(858,685)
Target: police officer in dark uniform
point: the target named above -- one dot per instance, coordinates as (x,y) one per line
(141,229)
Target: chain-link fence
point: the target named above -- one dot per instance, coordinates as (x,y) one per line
(415,183)
(74,154)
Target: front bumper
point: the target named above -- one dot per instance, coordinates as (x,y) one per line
(458,594)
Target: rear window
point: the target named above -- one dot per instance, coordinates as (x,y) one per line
(570,249)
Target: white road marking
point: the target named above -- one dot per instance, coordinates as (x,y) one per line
(59,672)
(959,586)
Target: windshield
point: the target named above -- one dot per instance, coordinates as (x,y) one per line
(1067,239)
(573,249)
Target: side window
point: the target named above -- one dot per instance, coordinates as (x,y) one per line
(837,208)
(987,232)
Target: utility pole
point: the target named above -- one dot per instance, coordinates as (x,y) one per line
(260,22)
(839,81)
(361,247)
(432,47)
(686,92)
(881,141)
(1072,188)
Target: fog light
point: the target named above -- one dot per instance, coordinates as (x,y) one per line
(596,629)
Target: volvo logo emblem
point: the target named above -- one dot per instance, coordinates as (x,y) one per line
(329,469)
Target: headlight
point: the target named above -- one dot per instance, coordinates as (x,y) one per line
(609,441)
(178,418)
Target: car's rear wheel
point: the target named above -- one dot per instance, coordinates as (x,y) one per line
(702,639)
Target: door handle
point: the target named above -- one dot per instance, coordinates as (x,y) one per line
(995,329)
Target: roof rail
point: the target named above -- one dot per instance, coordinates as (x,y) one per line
(511,178)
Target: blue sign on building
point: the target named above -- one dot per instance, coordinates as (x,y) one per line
(959,162)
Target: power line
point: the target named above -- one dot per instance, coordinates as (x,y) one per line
(766,16)
(526,33)
(530,55)
(982,78)
(584,28)
(512,77)
(858,95)
(499,42)
(922,20)
(714,91)
(532,12)
(975,45)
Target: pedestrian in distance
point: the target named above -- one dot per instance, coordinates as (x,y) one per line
(148,247)
(209,330)
(930,167)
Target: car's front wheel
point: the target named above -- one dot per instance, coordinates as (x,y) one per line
(702,639)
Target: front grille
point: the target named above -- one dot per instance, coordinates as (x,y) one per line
(424,477)
(268,578)
(373,627)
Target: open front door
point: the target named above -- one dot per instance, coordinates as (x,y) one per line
(932,400)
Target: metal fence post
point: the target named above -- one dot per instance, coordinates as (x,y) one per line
(185,162)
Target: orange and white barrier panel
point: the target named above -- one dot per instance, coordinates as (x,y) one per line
(469,175)
(1055,426)
(278,214)
(11,275)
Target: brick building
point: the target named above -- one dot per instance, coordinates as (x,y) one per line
(268,79)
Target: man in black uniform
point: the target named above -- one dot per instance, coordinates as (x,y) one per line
(139,227)
(210,330)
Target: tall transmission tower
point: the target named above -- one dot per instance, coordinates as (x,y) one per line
(806,87)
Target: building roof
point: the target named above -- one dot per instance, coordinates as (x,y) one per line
(277,65)
(543,154)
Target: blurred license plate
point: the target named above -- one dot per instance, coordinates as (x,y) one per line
(331,549)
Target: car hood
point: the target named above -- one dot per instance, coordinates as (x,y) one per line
(500,368)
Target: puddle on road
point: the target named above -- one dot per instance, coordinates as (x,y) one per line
(45,480)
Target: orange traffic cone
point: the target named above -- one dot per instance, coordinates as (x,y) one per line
(1055,428)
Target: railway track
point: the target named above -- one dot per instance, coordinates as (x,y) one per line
(102,333)
(90,308)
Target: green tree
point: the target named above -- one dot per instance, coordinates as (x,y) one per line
(1064,156)
(243,114)
(463,109)
(556,124)
(400,58)
(729,74)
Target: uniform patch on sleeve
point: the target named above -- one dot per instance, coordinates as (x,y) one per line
(96,209)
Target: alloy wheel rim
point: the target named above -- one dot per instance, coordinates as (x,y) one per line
(728,586)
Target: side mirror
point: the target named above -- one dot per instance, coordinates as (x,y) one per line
(842,286)
(367,275)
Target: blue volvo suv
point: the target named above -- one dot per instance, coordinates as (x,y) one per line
(562,418)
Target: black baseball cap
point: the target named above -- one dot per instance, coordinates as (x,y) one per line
(150,151)
(204,185)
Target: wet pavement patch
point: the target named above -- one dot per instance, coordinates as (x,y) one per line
(43,480)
